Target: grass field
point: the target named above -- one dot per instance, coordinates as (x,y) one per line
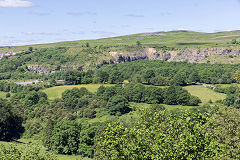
(205,94)
(56,92)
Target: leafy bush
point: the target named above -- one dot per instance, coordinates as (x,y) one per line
(10,152)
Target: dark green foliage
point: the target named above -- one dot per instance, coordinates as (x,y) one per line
(69,137)
(233,100)
(65,137)
(135,92)
(10,123)
(105,93)
(193,78)
(118,105)
(234,41)
(159,81)
(179,79)
(48,132)
(177,95)
(147,75)
(71,98)
(87,44)
(115,77)
(171,95)
(138,93)
(179,73)
(30,49)
(193,101)
(33,98)
(227,90)
(32,127)
(154,95)
(233,95)
(86,141)
(152,72)
(100,91)
(101,77)
(73,77)
(8,95)
(10,87)
(138,43)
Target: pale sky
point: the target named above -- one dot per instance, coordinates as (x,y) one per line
(43,21)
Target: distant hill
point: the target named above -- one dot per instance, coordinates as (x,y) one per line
(220,47)
(4,46)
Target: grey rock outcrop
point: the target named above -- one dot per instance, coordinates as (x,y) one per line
(9,55)
(186,54)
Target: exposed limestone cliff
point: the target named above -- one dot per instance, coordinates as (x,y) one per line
(190,55)
(48,70)
(187,54)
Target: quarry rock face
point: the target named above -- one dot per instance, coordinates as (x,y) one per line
(38,69)
(186,54)
(48,70)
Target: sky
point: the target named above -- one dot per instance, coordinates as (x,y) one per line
(25,22)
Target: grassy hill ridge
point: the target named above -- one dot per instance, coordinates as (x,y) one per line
(178,39)
(197,47)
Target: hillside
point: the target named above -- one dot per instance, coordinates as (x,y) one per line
(168,46)
(109,107)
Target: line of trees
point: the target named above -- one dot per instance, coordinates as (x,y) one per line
(152,72)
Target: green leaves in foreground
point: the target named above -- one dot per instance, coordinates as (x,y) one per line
(159,135)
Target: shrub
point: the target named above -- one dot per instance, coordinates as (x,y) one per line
(10,152)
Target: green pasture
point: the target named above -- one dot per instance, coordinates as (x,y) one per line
(204,93)
(56,92)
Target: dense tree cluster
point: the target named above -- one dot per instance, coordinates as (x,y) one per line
(233,98)
(178,73)
(10,123)
(152,72)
